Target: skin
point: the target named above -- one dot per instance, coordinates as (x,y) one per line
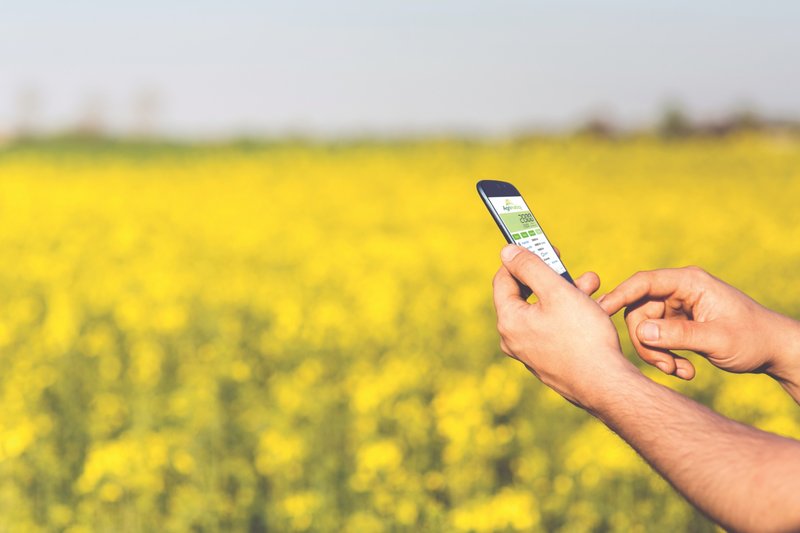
(743,478)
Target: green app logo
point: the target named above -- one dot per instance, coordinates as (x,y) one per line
(510,206)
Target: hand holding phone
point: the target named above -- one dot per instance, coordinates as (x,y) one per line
(564,338)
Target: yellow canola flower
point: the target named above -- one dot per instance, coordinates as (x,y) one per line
(379,457)
(300,507)
(508,509)
(277,450)
(596,449)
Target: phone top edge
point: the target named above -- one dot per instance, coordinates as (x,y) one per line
(496,188)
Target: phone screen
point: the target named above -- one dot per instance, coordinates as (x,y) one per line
(522,225)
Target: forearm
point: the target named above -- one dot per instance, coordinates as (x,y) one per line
(741,477)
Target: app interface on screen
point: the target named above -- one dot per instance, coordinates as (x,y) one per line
(524,229)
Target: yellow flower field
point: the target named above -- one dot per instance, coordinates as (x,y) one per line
(301,338)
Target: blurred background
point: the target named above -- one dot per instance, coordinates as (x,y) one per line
(206,70)
(246,279)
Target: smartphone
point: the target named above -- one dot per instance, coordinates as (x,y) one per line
(518,225)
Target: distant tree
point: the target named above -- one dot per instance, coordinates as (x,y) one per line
(746,119)
(674,122)
(598,127)
(739,121)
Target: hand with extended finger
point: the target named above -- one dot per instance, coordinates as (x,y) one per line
(689,309)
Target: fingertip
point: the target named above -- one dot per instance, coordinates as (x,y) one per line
(592,276)
(509,252)
(588,283)
(606,303)
(685,369)
(648,332)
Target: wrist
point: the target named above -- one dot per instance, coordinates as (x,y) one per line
(606,393)
(784,365)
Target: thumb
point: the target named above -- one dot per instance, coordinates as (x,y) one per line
(702,337)
(531,270)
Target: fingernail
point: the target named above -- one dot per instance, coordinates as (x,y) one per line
(650,332)
(682,373)
(602,297)
(664,367)
(510,252)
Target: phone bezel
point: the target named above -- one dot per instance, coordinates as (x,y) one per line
(491,188)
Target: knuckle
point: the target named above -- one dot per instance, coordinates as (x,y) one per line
(641,279)
(696,271)
(504,328)
(687,332)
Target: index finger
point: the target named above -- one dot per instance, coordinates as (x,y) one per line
(652,283)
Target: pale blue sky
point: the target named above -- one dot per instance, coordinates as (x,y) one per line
(355,66)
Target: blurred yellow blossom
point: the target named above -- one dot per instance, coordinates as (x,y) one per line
(296,337)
